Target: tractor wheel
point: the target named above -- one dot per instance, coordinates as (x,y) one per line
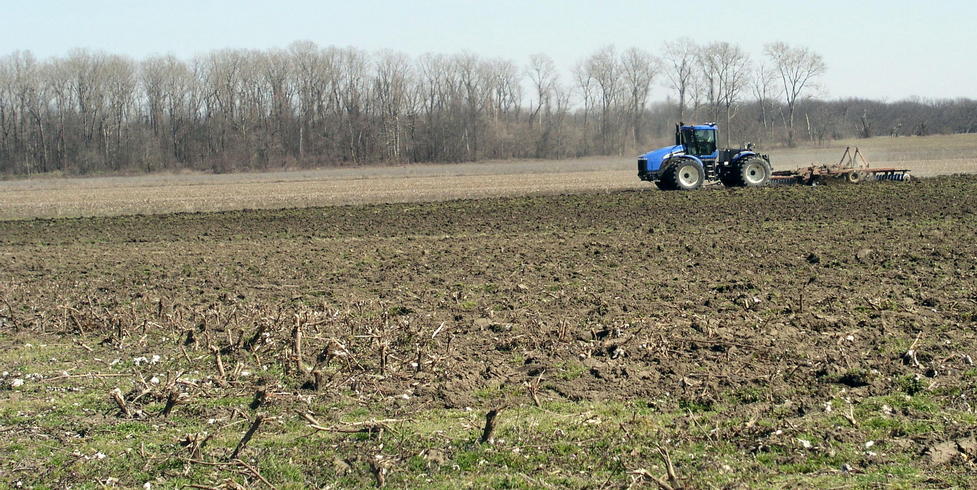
(684,175)
(728,178)
(661,184)
(751,172)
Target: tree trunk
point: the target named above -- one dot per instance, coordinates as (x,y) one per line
(790,125)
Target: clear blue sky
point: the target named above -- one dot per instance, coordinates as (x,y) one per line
(880,49)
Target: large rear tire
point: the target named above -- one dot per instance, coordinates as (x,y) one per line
(749,172)
(684,175)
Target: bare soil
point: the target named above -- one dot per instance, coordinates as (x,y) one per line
(763,307)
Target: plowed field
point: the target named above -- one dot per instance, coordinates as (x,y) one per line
(759,337)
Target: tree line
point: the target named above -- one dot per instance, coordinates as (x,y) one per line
(307,106)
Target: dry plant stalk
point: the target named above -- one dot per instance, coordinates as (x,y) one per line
(222,374)
(488,432)
(116,395)
(850,415)
(379,471)
(669,468)
(195,443)
(247,436)
(533,389)
(670,481)
(260,396)
(172,399)
(297,346)
(254,472)
(368,427)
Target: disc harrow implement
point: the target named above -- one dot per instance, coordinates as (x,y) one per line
(852,169)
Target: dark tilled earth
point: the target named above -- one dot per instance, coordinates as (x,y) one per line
(757,299)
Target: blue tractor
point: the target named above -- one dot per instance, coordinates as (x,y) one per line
(695,159)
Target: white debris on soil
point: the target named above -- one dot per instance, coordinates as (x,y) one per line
(139,361)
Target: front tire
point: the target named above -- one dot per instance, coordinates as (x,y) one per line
(684,175)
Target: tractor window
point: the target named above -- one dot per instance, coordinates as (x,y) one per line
(688,139)
(706,139)
(699,142)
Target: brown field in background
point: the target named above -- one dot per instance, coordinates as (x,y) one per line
(106,196)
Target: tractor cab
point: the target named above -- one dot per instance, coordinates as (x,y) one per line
(699,140)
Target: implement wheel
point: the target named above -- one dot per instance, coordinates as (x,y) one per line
(684,175)
(749,172)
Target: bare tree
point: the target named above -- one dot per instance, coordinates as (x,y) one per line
(698,93)
(639,69)
(350,92)
(559,127)
(60,84)
(585,85)
(152,75)
(22,120)
(681,69)
(504,88)
(727,67)
(120,96)
(390,92)
(762,87)
(315,72)
(604,69)
(276,74)
(474,83)
(543,75)
(222,81)
(798,68)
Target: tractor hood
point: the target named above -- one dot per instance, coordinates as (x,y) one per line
(655,158)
